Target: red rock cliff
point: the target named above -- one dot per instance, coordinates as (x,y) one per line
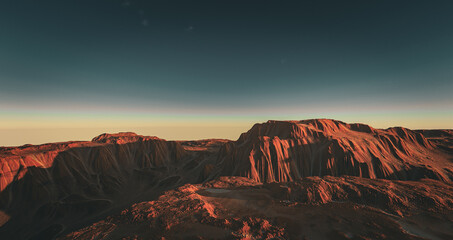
(278,151)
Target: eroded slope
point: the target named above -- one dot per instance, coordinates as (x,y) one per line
(46,189)
(279,151)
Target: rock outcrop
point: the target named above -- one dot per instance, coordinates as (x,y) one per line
(280,151)
(71,182)
(310,208)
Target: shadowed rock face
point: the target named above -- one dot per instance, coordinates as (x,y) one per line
(278,151)
(442,138)
(115,154)
(52,189)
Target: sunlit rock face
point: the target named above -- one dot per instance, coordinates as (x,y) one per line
(279,151)
(53,189)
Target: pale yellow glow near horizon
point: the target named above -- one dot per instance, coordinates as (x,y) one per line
(19,129)
(17,137)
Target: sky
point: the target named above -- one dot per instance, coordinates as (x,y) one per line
(73,69)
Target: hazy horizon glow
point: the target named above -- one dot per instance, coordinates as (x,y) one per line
(35,128)
(211,69)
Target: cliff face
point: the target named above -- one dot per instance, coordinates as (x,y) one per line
(115,155)
(65,182)
(279,151)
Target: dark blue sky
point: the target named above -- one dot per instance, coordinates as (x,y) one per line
(238,57)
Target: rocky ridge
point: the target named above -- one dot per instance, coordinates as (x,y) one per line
(57,188)
(279,151)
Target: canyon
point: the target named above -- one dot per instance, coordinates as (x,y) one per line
(312,179)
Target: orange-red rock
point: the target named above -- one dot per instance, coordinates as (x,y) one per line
(54,189)
(310,208)
(278,151)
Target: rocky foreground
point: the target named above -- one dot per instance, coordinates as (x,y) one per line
(311,179)
(309,208)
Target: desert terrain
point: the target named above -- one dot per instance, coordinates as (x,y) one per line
(309,179)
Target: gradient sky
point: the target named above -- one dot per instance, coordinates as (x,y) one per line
(72,69)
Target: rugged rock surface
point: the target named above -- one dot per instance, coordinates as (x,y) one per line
(310,208)
(53,186)
(278,151)
(442,138)
(52,189)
